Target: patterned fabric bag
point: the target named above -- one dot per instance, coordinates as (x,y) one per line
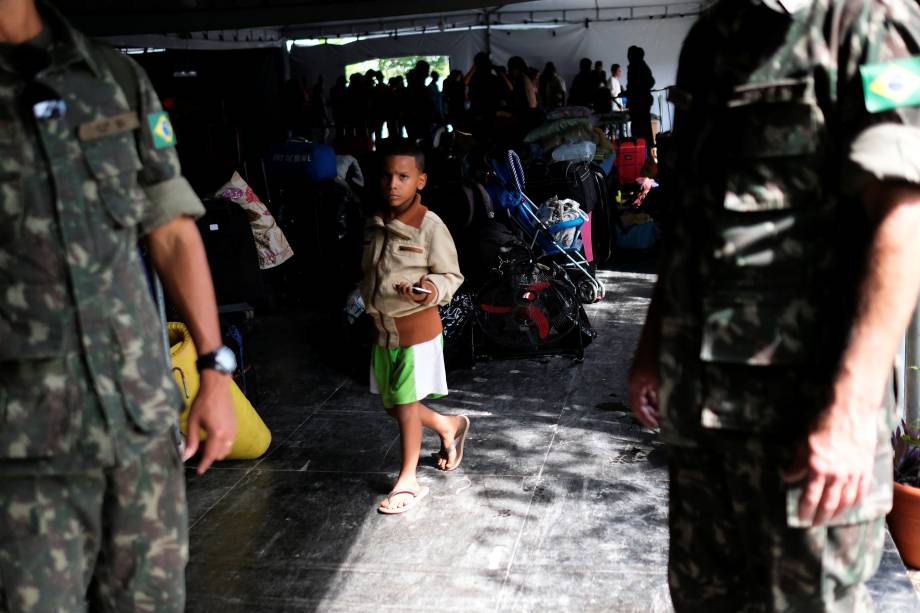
(271,243)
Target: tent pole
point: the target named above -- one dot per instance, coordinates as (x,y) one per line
(285,60)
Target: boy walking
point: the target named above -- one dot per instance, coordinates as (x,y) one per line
(410,267)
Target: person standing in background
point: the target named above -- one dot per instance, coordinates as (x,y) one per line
(455,97)
(616,87)
(319,112)
(639,100)
(489,90)
(599,75)
(534,75)
(395,108)
(420,111)
(379,95)
(437,97)
(583,86)
(337,102)
(523,95)
(552,88)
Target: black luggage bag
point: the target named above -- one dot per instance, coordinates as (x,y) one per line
(232,254)
(586,184)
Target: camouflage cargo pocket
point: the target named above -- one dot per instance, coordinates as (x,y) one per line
(12,211)
(39,415)
(765,328)
(774,136)
(149,392)
(757,361)
(775,209)
(35,322)
(114,163)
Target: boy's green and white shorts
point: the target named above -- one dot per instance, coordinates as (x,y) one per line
(410,374)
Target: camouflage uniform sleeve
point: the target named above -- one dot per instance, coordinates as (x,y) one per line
(876,67)
(160,176)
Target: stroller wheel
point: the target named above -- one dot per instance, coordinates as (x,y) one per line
(589,292)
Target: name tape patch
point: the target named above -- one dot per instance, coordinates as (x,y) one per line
(93,130)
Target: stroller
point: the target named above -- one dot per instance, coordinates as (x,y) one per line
(529,308)
(553,232)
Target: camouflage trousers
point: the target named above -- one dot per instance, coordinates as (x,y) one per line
(731,548)
(110,539)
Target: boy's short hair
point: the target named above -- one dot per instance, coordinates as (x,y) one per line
(403,147)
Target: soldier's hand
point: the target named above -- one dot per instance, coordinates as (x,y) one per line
(643,393)
(836,460)
(213,412)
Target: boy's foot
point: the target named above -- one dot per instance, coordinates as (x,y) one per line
(402,498)
(451,454)
(405,494)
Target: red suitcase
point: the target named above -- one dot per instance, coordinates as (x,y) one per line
(630,160)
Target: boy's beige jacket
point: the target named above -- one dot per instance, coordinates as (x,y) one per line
(414,245)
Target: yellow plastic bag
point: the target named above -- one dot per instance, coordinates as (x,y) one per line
(252,435)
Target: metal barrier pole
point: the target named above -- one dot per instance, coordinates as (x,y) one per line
(900,379)
(912,360)
(161,311)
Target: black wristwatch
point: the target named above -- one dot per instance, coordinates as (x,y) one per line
(222,359)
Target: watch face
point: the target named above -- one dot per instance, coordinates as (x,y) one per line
(225,360)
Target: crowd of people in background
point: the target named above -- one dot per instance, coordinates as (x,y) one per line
(370,106)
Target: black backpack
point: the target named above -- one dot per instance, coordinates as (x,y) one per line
(583,182)
(232,254)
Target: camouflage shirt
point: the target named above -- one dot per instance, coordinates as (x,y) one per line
(84,172)
(785,110)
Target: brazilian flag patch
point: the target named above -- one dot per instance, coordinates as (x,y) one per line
(891,85)
(160,127)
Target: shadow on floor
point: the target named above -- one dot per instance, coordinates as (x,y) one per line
(560,503)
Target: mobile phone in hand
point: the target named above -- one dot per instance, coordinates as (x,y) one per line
(420,290)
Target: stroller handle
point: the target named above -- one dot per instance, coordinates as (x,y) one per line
(565,225)
(517,170)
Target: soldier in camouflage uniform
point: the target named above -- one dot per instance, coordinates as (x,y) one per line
(788,277)
(92,498)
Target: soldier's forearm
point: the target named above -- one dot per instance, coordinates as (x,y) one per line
(887,296)
(179,257)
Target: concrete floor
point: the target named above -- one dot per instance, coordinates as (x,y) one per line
(560,503)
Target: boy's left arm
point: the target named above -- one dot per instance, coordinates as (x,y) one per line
(444,276)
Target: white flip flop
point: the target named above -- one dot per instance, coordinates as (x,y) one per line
(457,444)
(416,498)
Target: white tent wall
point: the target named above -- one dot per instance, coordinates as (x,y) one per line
(606,41)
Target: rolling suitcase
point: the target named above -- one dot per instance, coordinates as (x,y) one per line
(630,160)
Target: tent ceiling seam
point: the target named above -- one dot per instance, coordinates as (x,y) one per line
(498,16)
